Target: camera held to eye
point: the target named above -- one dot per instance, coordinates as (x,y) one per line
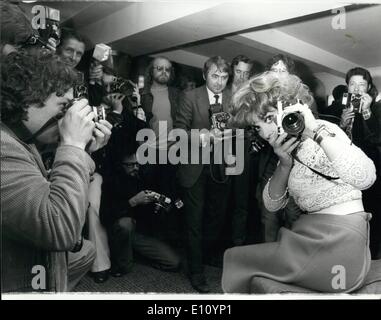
(291,123)
(351,100)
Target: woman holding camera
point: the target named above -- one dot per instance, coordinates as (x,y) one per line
(324,173)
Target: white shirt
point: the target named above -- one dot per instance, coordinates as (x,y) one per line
(212,99)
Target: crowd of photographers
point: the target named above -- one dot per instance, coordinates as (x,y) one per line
(74,196)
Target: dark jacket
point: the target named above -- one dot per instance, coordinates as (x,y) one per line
(193,113)
(117,189)
(42,217)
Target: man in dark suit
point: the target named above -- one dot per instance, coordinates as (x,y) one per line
(204,191)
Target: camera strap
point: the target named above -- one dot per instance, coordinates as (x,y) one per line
(51,122)
(313,170)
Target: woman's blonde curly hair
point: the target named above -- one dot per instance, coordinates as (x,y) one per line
(260,93)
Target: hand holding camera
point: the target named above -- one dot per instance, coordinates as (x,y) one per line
(346,117)
(77,125)
(101,135)
(142,198)
(283,146)
(115,100)
(297,120)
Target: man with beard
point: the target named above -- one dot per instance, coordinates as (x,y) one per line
(128,211)
(160,101)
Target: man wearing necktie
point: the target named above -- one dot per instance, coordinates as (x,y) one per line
(204,192)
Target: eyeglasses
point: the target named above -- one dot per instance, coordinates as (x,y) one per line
(162,68)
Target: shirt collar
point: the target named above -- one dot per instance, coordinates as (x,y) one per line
(211,95)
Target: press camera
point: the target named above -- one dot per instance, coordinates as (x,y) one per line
(351,100)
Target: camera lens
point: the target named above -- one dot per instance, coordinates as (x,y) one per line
(293,123)
(356,102)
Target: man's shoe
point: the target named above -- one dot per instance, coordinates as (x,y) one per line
(99,277)
(119,271)
(199,283)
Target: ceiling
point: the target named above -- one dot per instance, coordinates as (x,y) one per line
(191,31)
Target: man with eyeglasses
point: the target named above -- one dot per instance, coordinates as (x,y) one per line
(160,101)
(128,212)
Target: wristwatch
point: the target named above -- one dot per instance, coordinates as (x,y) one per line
(322,132)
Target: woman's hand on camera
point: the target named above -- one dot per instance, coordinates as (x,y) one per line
(101,135)
(310,122)
(346,117)
(283,148)
(77,126)
(115,101)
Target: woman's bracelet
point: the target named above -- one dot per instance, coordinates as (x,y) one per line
(281,198)
(321,132)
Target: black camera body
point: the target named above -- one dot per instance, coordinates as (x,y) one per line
(220,120)
(120,85)
(351,100)
(163,202)
(80,91)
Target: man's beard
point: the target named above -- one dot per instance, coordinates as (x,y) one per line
(162,80)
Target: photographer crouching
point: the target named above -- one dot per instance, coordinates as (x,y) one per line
(135,217)
(43,215)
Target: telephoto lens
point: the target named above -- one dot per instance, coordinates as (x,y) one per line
(293,123)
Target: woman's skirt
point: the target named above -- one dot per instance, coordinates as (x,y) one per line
(322,252)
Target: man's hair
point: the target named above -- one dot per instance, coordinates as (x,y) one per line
(338,91)
(242,58)
(15,27)
(290,64)
(221,64)
(358,71)
(29,79)
(148,76)
(68,33)
(263,91)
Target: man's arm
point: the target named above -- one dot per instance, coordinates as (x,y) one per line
(45,213)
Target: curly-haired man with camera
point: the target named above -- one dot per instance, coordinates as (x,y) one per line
(43,214)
